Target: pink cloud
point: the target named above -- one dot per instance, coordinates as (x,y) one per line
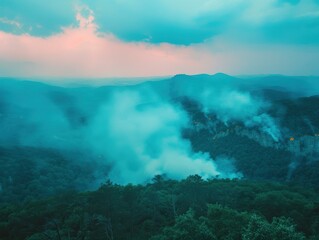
(84,52)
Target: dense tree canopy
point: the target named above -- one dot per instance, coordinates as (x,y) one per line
(192,208)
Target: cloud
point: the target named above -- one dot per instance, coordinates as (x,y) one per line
(177,22)
(38,18)
(10,22)
(189,22)
(83,50)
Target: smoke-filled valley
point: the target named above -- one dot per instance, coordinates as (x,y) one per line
(178,127)
(57,139)
(159,120)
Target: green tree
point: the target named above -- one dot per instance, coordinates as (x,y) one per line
(187,227)
(226,223)
(280,229)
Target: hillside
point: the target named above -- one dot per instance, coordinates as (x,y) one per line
(260,132)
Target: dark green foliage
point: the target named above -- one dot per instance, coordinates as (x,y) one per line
(301,116)
(187,227)
(296,118)
(252,159)
(307,173)
(279,229)
(31,173)
(225,222)
(166,209)
(192,208)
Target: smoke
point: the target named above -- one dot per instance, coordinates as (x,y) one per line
(32,118)
(226,168)
(141,139)
(309,124)
(135,131)
(266,124)
(230,104)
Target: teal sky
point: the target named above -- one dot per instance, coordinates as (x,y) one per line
(181,36)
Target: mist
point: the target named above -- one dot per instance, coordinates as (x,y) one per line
(142,139)
(229,101)
(133,131)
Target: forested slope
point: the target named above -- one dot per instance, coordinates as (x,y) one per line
(166,209)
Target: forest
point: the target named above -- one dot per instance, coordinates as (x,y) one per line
(192,208)
(159,120)
(156,161)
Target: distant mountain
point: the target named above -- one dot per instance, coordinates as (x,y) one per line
(269,125)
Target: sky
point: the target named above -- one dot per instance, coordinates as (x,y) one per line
(143,38)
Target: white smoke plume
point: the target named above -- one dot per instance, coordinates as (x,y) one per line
(236,105)
(141,139)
